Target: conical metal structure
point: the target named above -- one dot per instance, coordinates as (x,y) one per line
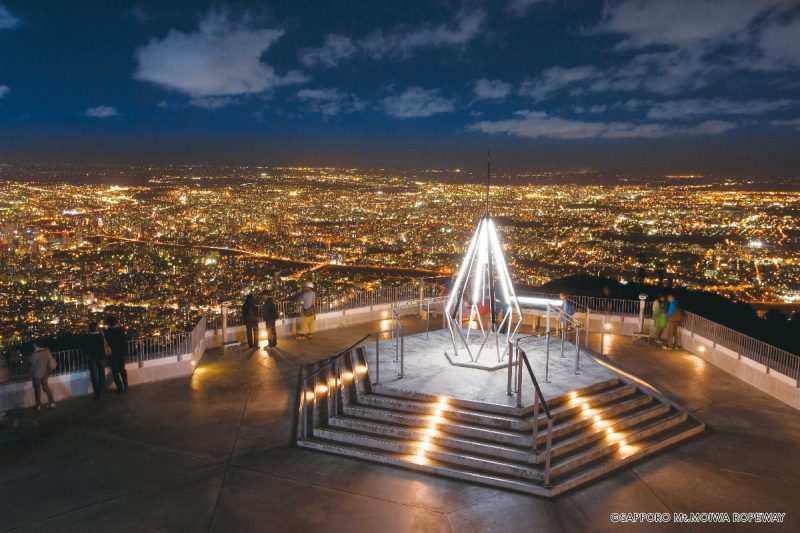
(482,309)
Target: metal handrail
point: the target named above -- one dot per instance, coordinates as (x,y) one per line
(329,360)
(535,383)
(538,399)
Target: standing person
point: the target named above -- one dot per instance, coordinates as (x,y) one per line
(308,311)
(118,342)
(674,316)
(42,362)
(567,310)
(659,318)
(250,317)
(96,349)
(270,312)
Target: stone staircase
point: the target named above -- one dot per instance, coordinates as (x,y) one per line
(595,430)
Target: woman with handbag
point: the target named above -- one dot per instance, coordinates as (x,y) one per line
(42,363)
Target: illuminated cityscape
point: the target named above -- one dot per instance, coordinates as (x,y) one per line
(185,240)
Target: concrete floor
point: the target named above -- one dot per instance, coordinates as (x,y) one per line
(212,453)
(426,369)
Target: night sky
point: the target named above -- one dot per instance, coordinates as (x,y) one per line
(628,86)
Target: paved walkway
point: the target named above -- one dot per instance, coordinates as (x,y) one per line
(212,453)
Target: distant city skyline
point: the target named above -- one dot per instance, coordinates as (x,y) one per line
(619,86)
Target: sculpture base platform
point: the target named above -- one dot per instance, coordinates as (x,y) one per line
(427,370)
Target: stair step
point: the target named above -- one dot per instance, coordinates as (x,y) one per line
(491,408)
(430,450)
(596,432)
(498,436)
(510,453)
(428,465)
(583,419)
(595,450)
(592,401)
(449,411)
(646,446)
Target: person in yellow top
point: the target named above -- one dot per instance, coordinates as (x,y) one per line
(659,318)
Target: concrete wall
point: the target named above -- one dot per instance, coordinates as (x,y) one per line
(773,383)
(19,394)
(325,321)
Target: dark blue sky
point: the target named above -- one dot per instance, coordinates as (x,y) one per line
(631,85)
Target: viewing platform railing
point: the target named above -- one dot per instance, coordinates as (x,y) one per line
(140,350)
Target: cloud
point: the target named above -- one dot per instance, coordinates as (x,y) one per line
(221,58)
(681,109)
(102,111)
(684,45)
(335,49)
(555,79)
(213,102)
(330,102)
(7,19)
(778,44)
(491,89)
(599,108)
(520,7)
(792,123)
(417,102)
(533,124)
(402,43)
(682,23)
(4,90)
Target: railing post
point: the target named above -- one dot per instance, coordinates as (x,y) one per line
(588,322)
(139,353)
(224,325)
(402,354)
(510,364)
(547,355)
(519,377)
(378,359)
(547,452)
(535,421)
(577,351)
(642,303)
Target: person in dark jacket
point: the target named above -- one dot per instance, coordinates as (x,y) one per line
(270,312)
(94,348)
(250,317)
(118,342)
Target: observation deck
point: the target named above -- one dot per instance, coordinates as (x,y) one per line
(214,451)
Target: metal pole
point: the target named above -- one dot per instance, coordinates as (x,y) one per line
(402,354)
(642,302)
(577,351)
(535,421)
(563,337)
(378,359)
(547,358)
(519,377)
(547,452)
(510,364)
(428,316)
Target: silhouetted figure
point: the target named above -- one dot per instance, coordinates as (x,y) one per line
(270,313)
(94,346)
(118,341)
(250,317)
(42,363)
